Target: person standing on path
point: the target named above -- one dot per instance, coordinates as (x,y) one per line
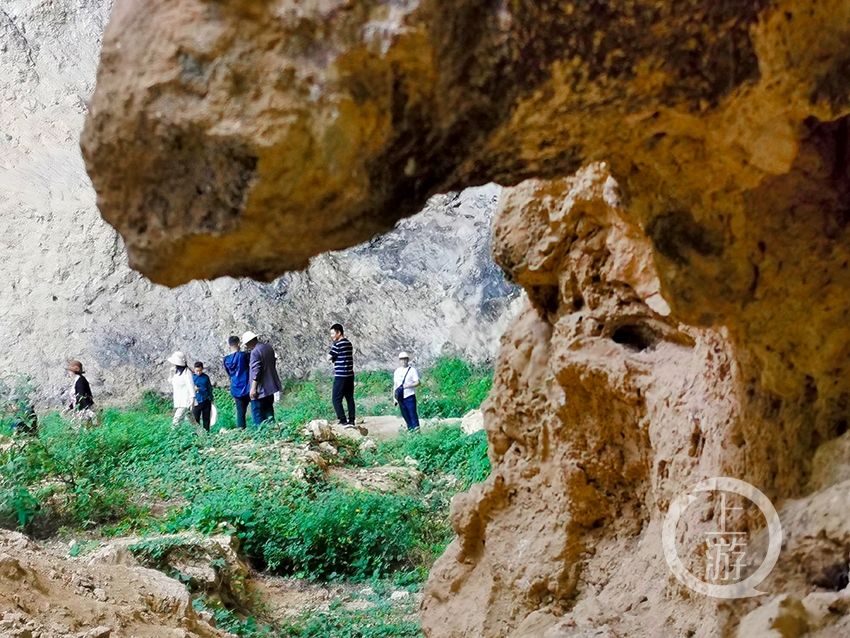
(183,389)
(238,365)
(264,379)
(202,410)
(82,401)
(405,380)
(342,356)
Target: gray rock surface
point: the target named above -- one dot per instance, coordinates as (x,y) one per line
(66,290)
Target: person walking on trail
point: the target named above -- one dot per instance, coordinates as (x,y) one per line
(183,389)
(202,409)
(342,356)
(81,403)
(263,378)
(405,380)
(238,365)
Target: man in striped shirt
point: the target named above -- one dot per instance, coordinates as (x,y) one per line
(342,356)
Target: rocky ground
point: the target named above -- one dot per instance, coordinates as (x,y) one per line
(90,586)
(112,590)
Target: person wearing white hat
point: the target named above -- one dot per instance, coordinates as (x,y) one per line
(405,380)
(263,377)
(183,389)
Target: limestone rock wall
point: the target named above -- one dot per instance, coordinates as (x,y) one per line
(66,291)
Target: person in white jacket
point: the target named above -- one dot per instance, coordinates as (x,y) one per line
(183,389)
(405,380)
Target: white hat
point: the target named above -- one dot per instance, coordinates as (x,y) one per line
(178,359)
(248,336)
(403,355)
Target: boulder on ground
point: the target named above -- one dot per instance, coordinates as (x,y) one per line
(327,448)
(472,422)
(55,596)
(207,564)
(319,430)
(384,478)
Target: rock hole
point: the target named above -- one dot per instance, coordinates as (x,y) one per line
(833,577)
(634,337)
(840,427)
(696,443)
(545,298)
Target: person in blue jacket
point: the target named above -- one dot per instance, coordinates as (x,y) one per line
(237,365)
(202,410)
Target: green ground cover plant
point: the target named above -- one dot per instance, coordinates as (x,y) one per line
(135,473)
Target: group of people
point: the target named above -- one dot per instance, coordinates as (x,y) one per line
(251,366)
(254,381)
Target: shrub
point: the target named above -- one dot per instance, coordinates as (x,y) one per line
(154,403)
(16,395)
(444,449)
(302,401)
(345,532)
(451,388)
(383,620)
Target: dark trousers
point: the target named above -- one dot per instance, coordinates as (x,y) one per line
(344,389)
(242,404)
(262,410)
(201,412)
(409,413)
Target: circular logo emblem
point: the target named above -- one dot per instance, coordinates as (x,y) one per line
(726,548)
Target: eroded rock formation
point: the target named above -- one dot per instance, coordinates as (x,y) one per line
(56,597)
(607,408)
(687,318)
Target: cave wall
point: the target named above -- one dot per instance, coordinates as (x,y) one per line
(678,220)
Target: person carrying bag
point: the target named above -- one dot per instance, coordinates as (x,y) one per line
(405,380)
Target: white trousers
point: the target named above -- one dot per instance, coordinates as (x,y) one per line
(182,414)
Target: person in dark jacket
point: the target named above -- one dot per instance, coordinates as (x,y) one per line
(264,379)
(202,409)
(81,403)
(237,365)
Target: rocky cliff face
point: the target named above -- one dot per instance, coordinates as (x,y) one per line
(429,286)
(688,302)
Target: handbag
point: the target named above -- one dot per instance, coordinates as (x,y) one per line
(399,391)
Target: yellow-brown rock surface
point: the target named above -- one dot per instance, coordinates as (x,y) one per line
(688,297)
(607,407)
(244,137)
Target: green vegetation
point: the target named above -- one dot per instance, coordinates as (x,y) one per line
(442,450)
(136,474)
(382,620)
